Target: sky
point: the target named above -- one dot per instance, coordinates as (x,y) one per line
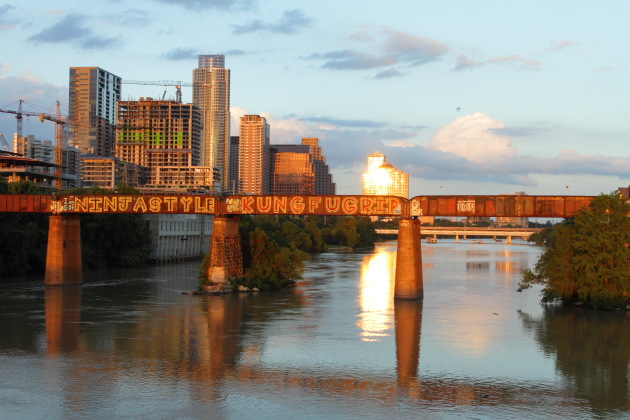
(468,97)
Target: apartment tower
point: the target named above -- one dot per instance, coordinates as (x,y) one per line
(253,155)
(92,102)
(211,93)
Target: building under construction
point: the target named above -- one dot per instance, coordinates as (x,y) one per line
(163,136)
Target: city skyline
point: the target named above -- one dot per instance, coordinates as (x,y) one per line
(466,99)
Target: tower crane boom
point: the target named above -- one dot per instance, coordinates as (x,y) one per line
(4,143)
(59,121)
(178,85)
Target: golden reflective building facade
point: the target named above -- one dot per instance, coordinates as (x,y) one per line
(253,155)
(211,93)
(300,169)
(381,178)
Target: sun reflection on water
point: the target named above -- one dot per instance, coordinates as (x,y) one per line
(375,296)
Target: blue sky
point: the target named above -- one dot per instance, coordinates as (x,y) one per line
(485,97)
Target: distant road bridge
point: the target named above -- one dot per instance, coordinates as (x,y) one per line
(63,258)
(464,232)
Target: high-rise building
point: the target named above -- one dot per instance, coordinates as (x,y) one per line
(324,184)
(292,170)
(232,187)
(253,155)
(211,93)
(163,136)
(300,169)
(381,178)
(92,110)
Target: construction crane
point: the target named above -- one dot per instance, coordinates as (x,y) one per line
(178,85)
(4,143)
(59,122)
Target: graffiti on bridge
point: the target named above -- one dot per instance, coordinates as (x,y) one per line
(340,205)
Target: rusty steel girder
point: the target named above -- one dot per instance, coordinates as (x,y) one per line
(339,205)
(498,205)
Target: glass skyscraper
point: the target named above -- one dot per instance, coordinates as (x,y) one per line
(92,102)
(211,93)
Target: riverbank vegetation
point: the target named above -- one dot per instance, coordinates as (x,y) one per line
(113,240)
(107,240)
(587,258)
(22,235)
(275,247)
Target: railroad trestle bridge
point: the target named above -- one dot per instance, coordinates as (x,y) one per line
(63,258)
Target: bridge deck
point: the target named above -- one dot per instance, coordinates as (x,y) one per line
(340,205)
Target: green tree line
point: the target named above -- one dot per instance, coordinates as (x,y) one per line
(107,240)
(275,247)
(587,257)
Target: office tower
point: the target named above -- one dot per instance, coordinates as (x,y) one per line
(292,170)
(382,178)
(253,155)
(232,187)
(324,184)
(211,93)
(300,169)
(163,136)
(92,110)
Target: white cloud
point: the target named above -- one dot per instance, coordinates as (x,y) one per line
(286,130)
(473,138)
(283,130)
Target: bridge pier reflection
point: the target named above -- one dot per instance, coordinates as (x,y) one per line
(63,313)
(408,319)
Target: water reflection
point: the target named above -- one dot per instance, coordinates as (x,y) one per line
(510,266)
(592,351)
(63,314)
(408,315)
(375,294)
(478,265)
(131,345)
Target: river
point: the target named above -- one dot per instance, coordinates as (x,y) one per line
(129,344)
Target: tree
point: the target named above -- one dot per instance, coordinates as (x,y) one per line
(119,240)
(272,265)
(22,235)
(587,258)
(347,231)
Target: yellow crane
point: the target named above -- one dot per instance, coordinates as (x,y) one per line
(59,122)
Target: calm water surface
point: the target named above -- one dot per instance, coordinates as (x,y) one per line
(128,344)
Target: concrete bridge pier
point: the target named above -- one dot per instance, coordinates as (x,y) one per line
(408,283)
(63,254)
(226,259)
(508,240)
